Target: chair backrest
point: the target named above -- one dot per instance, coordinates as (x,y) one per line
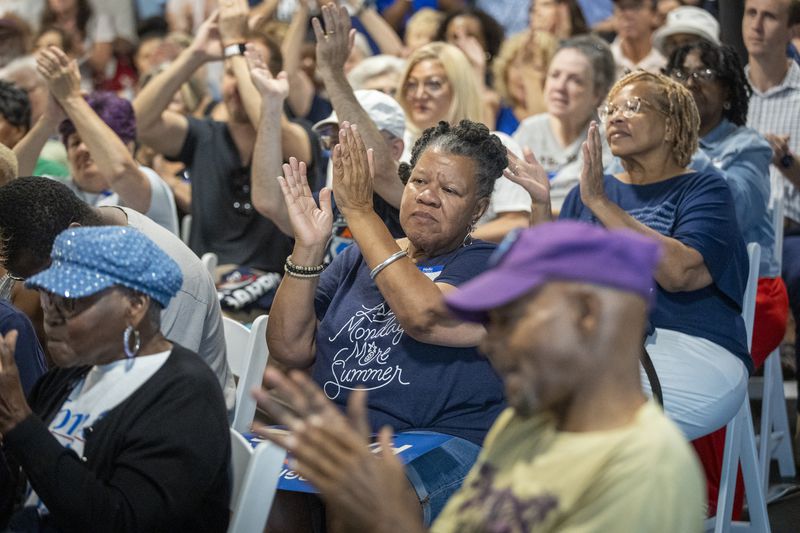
(777,227)
(237,337)
(749,301)
(251,373)
(186,228)
(255,479)
(210,260)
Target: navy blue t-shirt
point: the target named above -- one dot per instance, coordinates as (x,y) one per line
(697,210)
(412,385)
(28,354)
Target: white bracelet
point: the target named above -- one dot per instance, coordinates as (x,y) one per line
(389,260)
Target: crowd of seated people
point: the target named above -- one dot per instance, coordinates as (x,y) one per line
(425,187)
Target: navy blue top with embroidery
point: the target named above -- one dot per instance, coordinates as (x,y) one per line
(412,385)
(697,210)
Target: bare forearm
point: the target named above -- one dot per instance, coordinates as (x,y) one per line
(295,141)
(293,321)
(267,158)
(414,298)
(29,147)
(251,99)
(154,98)
(496,230)
(387,182)
(681,268)
(381,32)
(395,13)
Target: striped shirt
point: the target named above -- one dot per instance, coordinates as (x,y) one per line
(777,111)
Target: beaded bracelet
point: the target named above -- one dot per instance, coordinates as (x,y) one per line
(302,275)
(300,269)
(389,260)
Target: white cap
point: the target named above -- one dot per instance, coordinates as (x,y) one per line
(384,111)
(687,19)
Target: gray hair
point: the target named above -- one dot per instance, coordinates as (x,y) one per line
(601,59)
(375,66)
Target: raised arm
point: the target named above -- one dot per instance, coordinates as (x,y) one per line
(112,157)
(161,129)
(29,147)
(682,268)
(302,93)
(530,175)
(267,154)
(293,321)
(333,47)
(415,299)
(381,31)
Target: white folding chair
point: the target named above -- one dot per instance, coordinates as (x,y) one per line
(773,440)
(210,260)
(247,358)
(255,479)
(186,227)
(740,442)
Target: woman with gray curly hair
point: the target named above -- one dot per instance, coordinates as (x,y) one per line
(372,318)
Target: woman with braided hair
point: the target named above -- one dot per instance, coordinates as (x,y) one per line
(372,318)
(697,340)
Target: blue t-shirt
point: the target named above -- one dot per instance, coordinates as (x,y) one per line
(412,385)
(507,122)
(28,355)
(697,210)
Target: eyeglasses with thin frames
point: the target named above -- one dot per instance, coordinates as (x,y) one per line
(702,75)
(629,108)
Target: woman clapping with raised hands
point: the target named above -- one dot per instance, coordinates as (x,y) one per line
(372,318)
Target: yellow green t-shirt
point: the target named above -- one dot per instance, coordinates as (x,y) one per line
(529,477)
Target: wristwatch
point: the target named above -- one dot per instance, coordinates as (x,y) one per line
(236,49)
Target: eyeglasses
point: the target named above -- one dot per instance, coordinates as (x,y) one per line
(700,75)
(432,86)
(629,108)
(240,189)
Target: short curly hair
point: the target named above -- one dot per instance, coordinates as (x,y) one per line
(15,106)
(116,112)
(677,104)
(725,62)
(468,139)
(33,211)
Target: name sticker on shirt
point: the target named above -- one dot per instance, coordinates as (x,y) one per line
(432,272)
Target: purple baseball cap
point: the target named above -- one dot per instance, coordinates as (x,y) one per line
(559,251)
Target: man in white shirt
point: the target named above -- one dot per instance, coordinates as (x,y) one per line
(774,111)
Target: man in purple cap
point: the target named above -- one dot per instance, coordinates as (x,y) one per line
(579,447)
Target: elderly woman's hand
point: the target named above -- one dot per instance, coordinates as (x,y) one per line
(331,450)
(530,175)
(60,72)
(311,224)
(336,40)
(591,184)
(13,407)
(353,171)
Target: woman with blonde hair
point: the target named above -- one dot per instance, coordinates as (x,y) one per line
(519,72)
(437,84)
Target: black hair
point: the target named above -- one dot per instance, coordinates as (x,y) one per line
(492,30)
(152,27)
(33,211)
(15,106)
(725,62)
(50,17)
(469,139)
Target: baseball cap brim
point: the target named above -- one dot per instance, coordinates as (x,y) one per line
(62,278)
(492,289)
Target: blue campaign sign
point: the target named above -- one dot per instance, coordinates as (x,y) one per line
(407,446)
